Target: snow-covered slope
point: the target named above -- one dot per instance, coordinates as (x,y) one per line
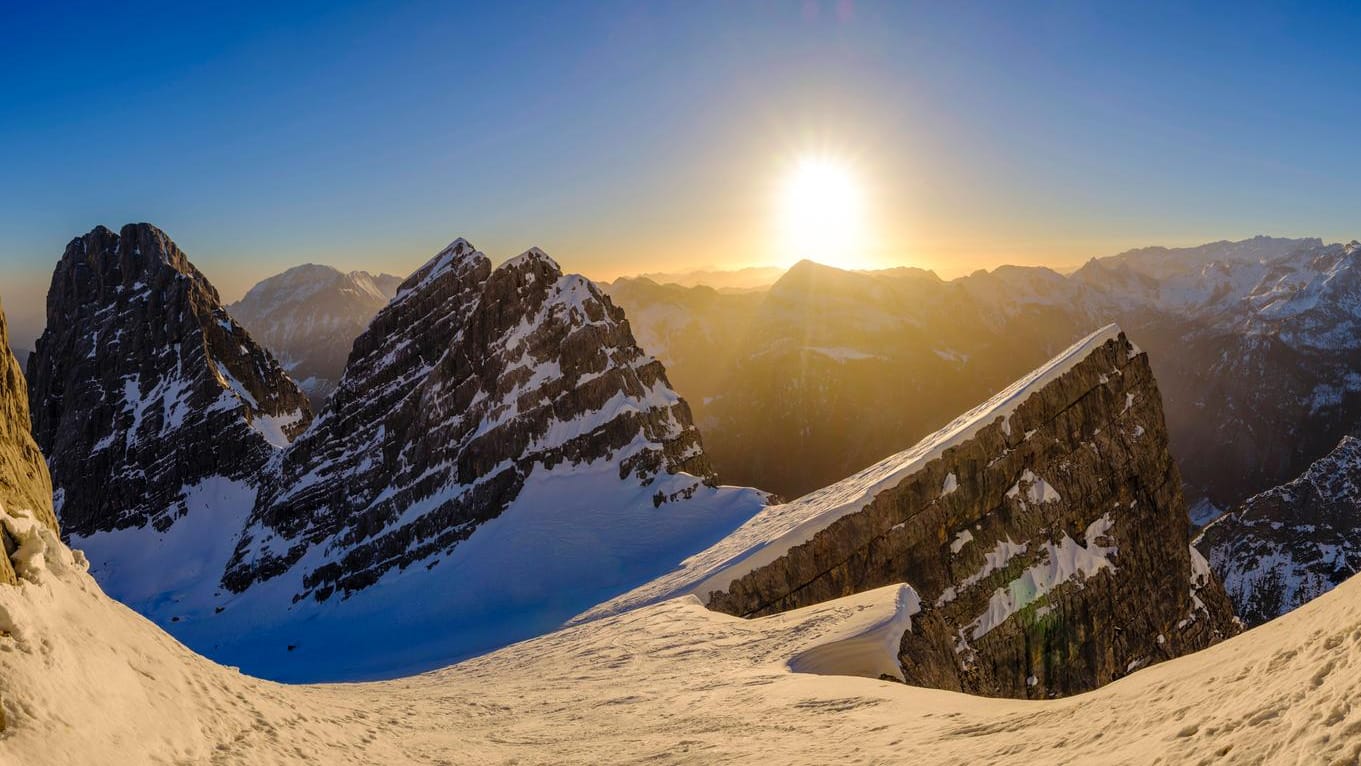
(88,681)
(309,317)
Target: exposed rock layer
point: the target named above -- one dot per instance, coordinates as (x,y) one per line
(24,482)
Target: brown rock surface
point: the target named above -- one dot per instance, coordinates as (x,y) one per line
(24,482)
(1051,550)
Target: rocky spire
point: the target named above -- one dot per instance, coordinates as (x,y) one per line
(143,386)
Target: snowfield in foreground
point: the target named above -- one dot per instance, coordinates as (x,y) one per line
(86,680)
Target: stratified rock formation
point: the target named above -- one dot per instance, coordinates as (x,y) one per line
(24,483)
(143,387)
(1044,533)
(1293,543)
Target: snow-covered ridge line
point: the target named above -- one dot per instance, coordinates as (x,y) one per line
(777,529)
(866,644)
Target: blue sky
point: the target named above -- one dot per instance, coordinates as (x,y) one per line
(637,137)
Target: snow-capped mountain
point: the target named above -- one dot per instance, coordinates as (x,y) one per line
(1292,543)
(1255,346)
(146,395)
(24,481)
(472,386)
(309,316)
(499,456)
(1033,529)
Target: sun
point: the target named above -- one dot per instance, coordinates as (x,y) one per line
(822,212)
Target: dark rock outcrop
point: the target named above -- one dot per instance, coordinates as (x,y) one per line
(309,317)
(1292,543)
(467,382)
(143,386)
(1049,548)
(24,482)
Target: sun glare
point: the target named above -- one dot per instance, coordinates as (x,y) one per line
(821,215)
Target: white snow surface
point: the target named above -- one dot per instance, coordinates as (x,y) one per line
(87,680)
(777,529)
(575,535)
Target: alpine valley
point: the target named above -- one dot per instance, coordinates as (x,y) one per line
(501,459)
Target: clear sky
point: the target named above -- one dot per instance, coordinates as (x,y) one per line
(626,137)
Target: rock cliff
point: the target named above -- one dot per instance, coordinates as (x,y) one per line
(1044,533)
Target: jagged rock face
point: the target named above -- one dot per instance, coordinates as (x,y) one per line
(471,380)
(309,316)
(1050,549)
(143,386)
(24,482)
(1292,543)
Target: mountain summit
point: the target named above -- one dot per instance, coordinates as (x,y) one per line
(498,455)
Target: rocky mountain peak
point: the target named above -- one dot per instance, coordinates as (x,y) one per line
(534,259)
(458,257)
(471,382)
(143,386)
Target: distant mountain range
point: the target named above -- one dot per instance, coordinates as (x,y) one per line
(1253,342)
(725,280)
(309,316)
